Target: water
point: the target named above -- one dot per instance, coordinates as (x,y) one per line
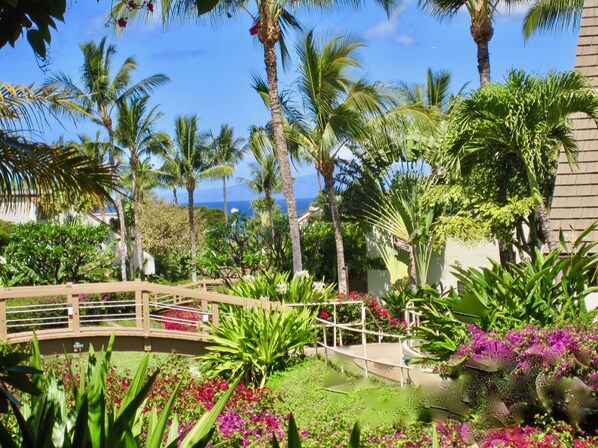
(245,206)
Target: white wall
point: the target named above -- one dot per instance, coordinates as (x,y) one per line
(466,256)
(454,253)
(18,213)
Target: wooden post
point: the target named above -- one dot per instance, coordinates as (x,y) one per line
(3,323)
(215,315)
(72,302)
(146,313)
(265,302)
(138,309)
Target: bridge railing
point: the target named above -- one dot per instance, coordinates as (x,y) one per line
(130,308)
(334,342)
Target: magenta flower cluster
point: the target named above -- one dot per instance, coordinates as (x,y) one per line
(558,352)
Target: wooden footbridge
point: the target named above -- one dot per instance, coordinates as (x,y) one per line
(151,317)
(144,316)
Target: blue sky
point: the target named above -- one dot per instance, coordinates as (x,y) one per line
(211,65)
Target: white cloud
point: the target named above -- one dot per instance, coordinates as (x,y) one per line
(389,29)
(405,39)
(382,30)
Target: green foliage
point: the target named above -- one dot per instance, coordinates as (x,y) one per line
(234,244)
(165,230)
(283,287)
(34,16)
(5,231)
(318,247)
(256,342)
(45,420)
(543,291)
(326,401)
(48,253)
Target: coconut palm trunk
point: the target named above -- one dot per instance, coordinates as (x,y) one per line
(544,219)
(190,190)
(270,206)
(225,205)
(338,235)
(138,242)
(120,212)
(482,33)
(282,154)
(176,200)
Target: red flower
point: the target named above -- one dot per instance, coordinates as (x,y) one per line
(254,29)
(150,7)
(132,4)
(324,314)
(122,22)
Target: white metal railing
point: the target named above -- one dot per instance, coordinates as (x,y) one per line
(359,328)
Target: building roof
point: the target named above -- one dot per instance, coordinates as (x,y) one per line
(575,200)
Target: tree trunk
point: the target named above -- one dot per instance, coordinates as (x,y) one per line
(224,199)
(482,32)
(544,219)
(483,63)
(343,280)
(192,233)
(176,200)
(122,245)
(138,242)
(412,268)
(505,253)
(282,153)
(270,206)
(131,259)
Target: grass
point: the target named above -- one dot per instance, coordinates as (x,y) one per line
(125,363)
(314,392)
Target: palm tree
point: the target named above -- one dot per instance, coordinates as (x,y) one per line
(525,120)
(335,111)
(265,173)
(30,170)
(227,151)
(552,15)
(136,136)
(96,98)
(192,156)
(170,176)
(270,20)
(481,13)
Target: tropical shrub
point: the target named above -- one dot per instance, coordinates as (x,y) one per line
(49,253)
(283,287)
(545,290)
(5,231)
(165,230)
(235,244)
(256,342)
(46,420)
(529,376)
(319,250)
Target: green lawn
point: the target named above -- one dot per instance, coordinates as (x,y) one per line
(315,392)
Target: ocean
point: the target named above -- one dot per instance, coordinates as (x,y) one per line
(245,206)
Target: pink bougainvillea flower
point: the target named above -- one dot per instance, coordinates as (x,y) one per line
(254,29)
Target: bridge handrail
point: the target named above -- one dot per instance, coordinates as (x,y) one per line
(138,309)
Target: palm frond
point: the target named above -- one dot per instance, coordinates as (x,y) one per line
(552,15)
